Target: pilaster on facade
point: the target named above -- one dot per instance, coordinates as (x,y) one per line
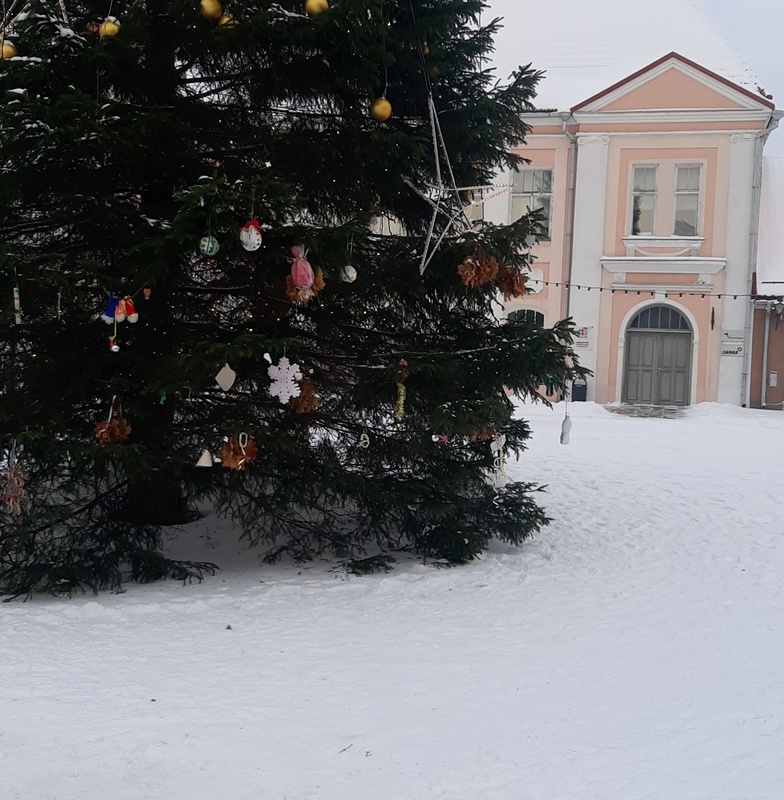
(588,247)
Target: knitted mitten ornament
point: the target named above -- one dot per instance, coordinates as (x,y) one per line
(111,308)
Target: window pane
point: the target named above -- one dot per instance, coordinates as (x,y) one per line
(543,202)
(653,320)
(685,215)
(645,179)
(528,180)
(519,206)
(517,180)
(664,318)
(688,179)
(644,318)
(642,214)
(547,180)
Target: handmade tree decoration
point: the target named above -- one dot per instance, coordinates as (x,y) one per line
(226,377)
(510,283)
(226,21)
(13,486)
(208,246)
(302,284)
(283,377)
(348,274)
(113,430)
(478,269)
(238,452)
(306,402)
(250,235)
(205,460)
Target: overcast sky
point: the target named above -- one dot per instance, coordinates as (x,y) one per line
(755,28)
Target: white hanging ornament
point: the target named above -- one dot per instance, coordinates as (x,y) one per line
(283,377)
(205,460)
(348,274)
(226,377)
(208,245)
(250,235)
(375,224)
(566,427)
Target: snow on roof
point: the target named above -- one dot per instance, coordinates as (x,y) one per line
(587,47)
(770,254)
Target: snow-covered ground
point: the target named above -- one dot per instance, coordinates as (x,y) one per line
(634,651)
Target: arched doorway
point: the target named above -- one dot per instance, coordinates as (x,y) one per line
(658,358)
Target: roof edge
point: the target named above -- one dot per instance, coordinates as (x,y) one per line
(688,62)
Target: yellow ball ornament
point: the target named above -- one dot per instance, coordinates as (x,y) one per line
(109,27)
(315,7)
(226,21)
(211,9)
(8,49)
(381,109)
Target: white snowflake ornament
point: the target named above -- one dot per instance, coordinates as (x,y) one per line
(284,384)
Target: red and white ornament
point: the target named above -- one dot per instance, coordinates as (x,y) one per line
(250,235)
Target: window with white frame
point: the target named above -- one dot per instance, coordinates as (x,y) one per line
(687,200)
(532,190)
(643,200)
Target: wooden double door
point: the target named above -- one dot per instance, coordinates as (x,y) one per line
(658,367)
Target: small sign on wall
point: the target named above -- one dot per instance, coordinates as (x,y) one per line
(733,348)
(583,338)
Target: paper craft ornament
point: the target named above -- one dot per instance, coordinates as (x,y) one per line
(566,429)
(208,245)
(226,377)
(374,224)
(364,441)
(283,384)
(238,452)
(348,274)
(497,449)
(250,235)
(205,460)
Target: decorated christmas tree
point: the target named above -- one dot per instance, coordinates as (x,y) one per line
(243,269)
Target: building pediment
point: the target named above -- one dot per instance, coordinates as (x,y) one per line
(674,83)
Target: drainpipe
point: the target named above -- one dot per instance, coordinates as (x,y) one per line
(759,144)
(764,392)
(569,238)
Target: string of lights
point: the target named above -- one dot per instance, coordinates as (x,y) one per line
(635,290)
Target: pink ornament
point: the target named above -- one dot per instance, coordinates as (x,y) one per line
(301,271)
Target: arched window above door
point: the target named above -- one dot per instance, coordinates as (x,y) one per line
(660,318)
(536,318)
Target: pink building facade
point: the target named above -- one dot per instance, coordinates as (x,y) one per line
(651,189)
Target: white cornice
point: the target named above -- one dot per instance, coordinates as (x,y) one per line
(669,115)
(691,265)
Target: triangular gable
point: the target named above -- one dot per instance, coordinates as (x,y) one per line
(674,82)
